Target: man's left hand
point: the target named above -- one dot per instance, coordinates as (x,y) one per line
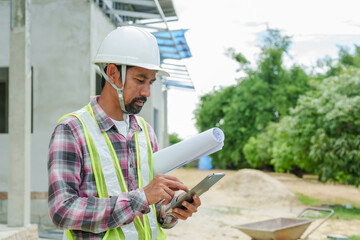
(190,208)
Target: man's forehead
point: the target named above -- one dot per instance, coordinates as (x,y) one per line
(143,72)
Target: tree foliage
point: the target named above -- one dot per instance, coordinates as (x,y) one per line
(334,67)
(277,118)
(326,129)
(321,135)
(264,95)
(174,138)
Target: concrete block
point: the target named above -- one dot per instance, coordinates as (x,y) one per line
(4,206)
(46,222)
(39,207)
(35,219)
(3,218)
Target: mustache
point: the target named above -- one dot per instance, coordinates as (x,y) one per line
(144,99)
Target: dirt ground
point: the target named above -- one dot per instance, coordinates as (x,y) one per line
(221,212)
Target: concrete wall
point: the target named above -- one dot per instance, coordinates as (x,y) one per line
(65,36)
(60,44)
(62,48)
(156,101)
(63,45)
(60,60)
(101,25)
(4,62)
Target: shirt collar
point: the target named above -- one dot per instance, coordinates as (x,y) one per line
(105,122)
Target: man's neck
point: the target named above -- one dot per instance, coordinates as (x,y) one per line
(111,106)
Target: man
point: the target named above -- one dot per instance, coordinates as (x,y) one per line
(101,183)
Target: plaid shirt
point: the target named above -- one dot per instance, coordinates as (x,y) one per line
(73,197)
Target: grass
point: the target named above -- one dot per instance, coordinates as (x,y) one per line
(341,212)
(355,238)
(307,200)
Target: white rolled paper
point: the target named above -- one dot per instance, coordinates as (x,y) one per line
(186,151)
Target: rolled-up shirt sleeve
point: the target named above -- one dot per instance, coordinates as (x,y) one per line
(166,220)
(69,210)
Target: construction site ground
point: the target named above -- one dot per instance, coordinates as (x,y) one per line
(225,206)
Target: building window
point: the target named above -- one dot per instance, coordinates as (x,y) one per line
(4,100)
(156,122)
(3,107)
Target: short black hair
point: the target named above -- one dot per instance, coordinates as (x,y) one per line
(119,69)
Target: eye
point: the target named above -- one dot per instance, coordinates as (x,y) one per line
(140,80)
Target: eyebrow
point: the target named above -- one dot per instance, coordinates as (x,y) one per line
(145,77)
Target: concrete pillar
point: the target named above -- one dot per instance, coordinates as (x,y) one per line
(165,117)
(19,114)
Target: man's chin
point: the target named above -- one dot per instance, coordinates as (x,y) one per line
(134,110)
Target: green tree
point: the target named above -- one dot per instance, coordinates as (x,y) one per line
(210,113)
(258,150)
(264,95)
(334,67)
(321,135)
(174,138)
(325,130)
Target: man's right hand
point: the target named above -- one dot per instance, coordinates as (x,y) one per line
(163,187)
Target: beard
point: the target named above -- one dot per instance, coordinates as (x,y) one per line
(133,108)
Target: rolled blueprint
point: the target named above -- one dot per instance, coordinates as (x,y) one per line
(186,151)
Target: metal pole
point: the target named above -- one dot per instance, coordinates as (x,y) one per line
(19,114)
(165,117)
(158,6)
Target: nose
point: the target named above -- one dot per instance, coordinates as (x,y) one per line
(146,90)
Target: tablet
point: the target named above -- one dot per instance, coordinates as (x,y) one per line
(199,189)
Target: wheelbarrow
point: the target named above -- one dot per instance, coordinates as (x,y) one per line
(283,228)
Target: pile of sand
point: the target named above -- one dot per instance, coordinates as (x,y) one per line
(256,186)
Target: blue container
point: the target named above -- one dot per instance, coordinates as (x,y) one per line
(205,163)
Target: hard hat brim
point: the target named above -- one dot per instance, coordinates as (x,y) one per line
(130,62)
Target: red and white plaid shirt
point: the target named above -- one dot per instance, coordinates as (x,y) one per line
(73,198)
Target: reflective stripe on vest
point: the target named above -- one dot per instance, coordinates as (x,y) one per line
(109,178)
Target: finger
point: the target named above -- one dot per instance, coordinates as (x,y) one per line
(173,178)
(196,201)
(172,182)
(166,197)
(174,189)
(175,185)
(169,192)
(190,207)
(181,195)
(178,216)
(183,213)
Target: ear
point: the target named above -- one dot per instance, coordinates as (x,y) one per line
(114,74)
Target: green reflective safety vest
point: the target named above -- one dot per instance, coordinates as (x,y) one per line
(110,180)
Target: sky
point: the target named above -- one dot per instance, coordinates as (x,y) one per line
(317,27)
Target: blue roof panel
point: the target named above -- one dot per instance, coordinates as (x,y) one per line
(167,47)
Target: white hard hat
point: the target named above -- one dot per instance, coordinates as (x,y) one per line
(128,46)
(131,46)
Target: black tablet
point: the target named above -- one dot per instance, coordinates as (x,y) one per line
(199,189)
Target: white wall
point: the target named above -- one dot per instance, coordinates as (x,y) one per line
(60,38)
(60,53)
(101,25)
(4,62)
(65,36)
(155,101)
